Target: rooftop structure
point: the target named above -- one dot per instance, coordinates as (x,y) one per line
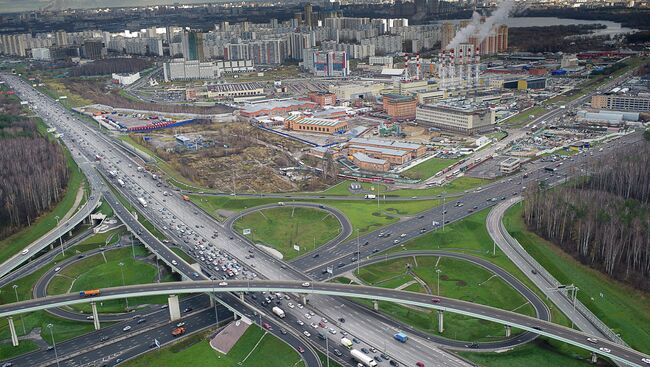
(275,107)
(315,125)
(464,119)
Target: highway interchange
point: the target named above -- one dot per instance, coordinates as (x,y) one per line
(338,256)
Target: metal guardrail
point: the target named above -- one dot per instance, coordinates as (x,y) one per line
(579,306)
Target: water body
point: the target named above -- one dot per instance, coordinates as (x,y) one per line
(613,28)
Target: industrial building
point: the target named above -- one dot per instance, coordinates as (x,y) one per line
(392,156)
(314,125)
(509,165)
(367,163)
(322,98)
(462,119)
(179,69)
(414,150)
(399,106)
(523,84)
(638,103)
(125,79)
(275,107)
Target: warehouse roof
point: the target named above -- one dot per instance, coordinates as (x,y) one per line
(364,158)
(386,151)
(385,143)
(313,121)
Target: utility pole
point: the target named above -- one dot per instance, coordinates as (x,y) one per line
(121,264)
(438,271)
(358,253)
(56,355)
(444,196)
(22,321)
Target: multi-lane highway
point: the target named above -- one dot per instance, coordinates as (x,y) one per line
(605,348)
(171,214)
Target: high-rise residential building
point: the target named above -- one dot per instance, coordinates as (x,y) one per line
(193,45)
(331,64)
(309,15)
(93,49)
(61,38)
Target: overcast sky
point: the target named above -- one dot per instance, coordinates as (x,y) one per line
(22,5)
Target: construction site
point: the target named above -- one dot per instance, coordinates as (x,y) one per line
(232,158)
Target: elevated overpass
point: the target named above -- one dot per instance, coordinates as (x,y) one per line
(605,348)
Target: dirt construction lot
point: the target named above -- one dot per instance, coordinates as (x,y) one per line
(230,157)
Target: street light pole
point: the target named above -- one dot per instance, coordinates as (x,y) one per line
(56,354)
(121,264)
(358,253)
(443,210)
(327,351)
(22,321)
(438,271)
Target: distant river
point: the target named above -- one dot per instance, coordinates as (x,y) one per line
(613,28)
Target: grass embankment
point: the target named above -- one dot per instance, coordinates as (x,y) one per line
(623,308)
(470,235)
(458,280)
(270,352)
(39,227)
(428,168)
(183,255)
(541,352)
(282,228)
(103,271)
(524,117)
(56,89)
(63,329)
(364,215)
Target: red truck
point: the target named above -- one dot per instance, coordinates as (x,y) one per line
(178,331)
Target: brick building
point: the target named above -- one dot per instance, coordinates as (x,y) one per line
(414,150)
(367,163)
(315,125)
(322,98)
(399,106)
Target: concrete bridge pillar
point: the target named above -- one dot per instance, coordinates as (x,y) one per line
(303,299)
(508,331)
(70,233)
(594,358)
(95,315)
(375,305)
(241,296)
(12,330)
(211,297)
(174,307)
(441,321)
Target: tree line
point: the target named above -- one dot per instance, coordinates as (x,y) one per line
(34,172)
(603,220)
(109,66)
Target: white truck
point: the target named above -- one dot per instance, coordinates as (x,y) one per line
(143,202)
(278,312)
(346,343)
(121,182)
(371,196)
(112,173)
(363,358)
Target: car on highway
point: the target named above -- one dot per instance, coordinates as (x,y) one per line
(283,331)
(306,333)
(301,349)
(419,364)
(603,349)
(592,340)
(126,328)
(267,326)
(306,284)
(25,251)
(365,350)
(435,300)
(300,322)
(645,360)
(338,352)
(393,363)
(223,284)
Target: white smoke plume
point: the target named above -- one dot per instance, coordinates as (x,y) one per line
(499,16)
(482,29)
(464,33)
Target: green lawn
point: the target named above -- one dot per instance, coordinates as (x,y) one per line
(19,240)
(364,215)
(470,235)
(541,352)
(428,168)
(183,255)
(270,352)
(9,351)
(622,308)
(524,117)
(282,228)
(103,271)
(458,185)
(63,329)
(458,280)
